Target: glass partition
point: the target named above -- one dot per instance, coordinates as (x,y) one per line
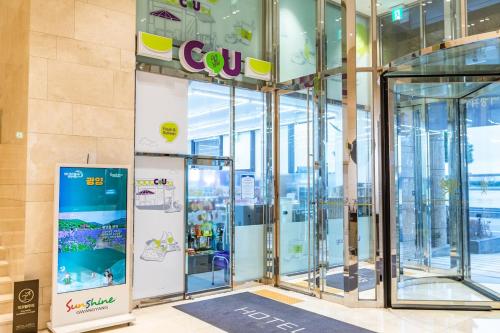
(399,29)
(209,107)
(483,16)
(297,226)
(334,194)
(366,227)
(483,179)
(249,180)
(297,38)
(363,35)
(433,14)
(333,27)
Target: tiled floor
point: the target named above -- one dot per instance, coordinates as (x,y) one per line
(164,318)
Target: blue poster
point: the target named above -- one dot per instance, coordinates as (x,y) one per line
(92,229)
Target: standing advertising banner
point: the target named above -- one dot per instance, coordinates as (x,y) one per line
(91,271)
(158,227)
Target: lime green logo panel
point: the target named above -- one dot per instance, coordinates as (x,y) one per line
(157,43)
(258,69)
(154,46)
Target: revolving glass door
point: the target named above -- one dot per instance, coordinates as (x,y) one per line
(444,138)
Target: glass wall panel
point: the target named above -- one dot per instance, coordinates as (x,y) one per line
(363,32)
(433,13)
(483,16)
(483,178)
(366,228)
(297,38)
(296,236)
(334,196)
(333,27)
(249,185)
(209,107)
(399,29)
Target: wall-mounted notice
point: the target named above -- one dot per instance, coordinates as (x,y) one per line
(161,114)
(247,187)
(90,269)
(158,227)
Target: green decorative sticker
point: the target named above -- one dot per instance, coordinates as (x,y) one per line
(169,131)
(214,63)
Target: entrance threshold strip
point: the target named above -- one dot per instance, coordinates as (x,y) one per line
(250,313)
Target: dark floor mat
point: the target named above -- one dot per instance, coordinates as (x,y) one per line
(250,313)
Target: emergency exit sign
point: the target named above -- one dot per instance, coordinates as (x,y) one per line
(397,14)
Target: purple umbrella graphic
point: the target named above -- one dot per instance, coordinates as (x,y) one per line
(163,13)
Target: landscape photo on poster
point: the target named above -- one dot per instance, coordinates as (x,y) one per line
(92,228)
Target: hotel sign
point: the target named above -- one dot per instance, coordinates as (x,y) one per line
(223,62)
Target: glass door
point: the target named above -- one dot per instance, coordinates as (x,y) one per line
(482,177)
(332,231)
(209,224)
(297,250)
(442,195)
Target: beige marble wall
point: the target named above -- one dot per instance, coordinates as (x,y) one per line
(81,106)
(14,61)
(14,33)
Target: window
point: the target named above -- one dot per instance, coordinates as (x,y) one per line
(483,16)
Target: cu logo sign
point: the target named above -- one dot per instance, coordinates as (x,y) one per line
(26,295)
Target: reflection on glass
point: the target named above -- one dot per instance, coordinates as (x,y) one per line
(333,26)
(208,229)
(249,185)
(366,228)
(296,183)
(483,16)
(297,40)
(399,30)
(209,107)
(363,44)
(433,13)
